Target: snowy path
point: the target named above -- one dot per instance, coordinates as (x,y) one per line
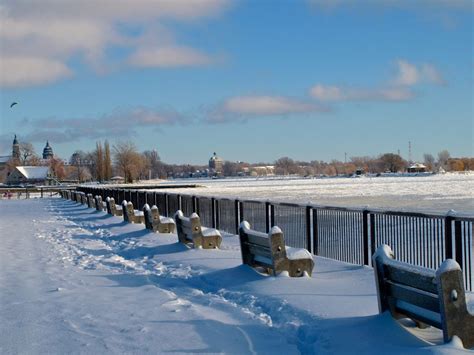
(74,280)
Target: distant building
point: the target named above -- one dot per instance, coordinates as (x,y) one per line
(36,175)
(216,164)
(15,149)
(417,168)
(4,159)
(47,152)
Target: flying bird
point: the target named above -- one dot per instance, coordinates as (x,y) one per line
(13,104)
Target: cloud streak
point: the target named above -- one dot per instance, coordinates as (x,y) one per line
(117,125)
(242,108)
(339,93)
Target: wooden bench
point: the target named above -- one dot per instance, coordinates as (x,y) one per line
(99,206)
(270,252)
(155,222)
(190,231)
(90,201)
(426,296)
(112,207)
(129,214)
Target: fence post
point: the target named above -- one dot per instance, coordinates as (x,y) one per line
(218,217)
(458,242)
(372,234)
(365,236)
(239,215)
(167,207)
(41,192)
(269,216)
(448,237)
(213,212)
(308,227)
(315,232)
(195,203)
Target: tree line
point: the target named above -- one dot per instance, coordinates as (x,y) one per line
(124,161)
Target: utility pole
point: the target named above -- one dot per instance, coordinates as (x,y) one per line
(409,152)
(345,158)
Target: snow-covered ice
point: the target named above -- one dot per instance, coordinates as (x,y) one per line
(430,193)
(75,280)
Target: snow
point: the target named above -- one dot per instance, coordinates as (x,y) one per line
(275,230)
(34,172)
(298,253)
(76,280)
(207,232)
(447,265)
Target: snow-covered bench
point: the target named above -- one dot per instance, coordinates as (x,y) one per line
(129,214)
(155,222)
(112,208)
(269,251)
(82,198)
(190,231)
(427,296)
(99,206)
(90,201)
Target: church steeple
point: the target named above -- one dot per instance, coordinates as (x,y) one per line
(15,149)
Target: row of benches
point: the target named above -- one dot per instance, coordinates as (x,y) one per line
(428,297)
(267,252)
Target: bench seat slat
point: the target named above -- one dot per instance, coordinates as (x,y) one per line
(413,295)
(423,279)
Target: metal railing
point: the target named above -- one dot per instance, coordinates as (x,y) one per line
(349,235)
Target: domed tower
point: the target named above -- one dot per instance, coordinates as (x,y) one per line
(215,163)
(47,151)
(15,149)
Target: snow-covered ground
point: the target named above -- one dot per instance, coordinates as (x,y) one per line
(74,280)
(431,193)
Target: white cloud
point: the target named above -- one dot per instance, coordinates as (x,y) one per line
(53,31)
(170,56)
(243,107)
(340,93)
(25,71)
(409,74)
(431,74)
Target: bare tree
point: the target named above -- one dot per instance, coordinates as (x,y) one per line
(285,166)
(393,162)
(107,162)
(153,163)
(127,159)
(80,162)
(429,161)
(99,162)
(27,153)
(443,158)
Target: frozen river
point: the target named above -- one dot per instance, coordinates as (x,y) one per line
(433,193)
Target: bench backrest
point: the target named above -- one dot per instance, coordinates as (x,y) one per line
(433,297)
(260,249)
(151,215)
(187,227)
(110,204)
(98,203)
(90,200)
(128,211)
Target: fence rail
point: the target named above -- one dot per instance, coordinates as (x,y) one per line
(344,234)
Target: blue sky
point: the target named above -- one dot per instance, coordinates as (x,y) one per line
(251,80)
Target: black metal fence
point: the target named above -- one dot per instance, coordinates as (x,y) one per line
(343,234)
